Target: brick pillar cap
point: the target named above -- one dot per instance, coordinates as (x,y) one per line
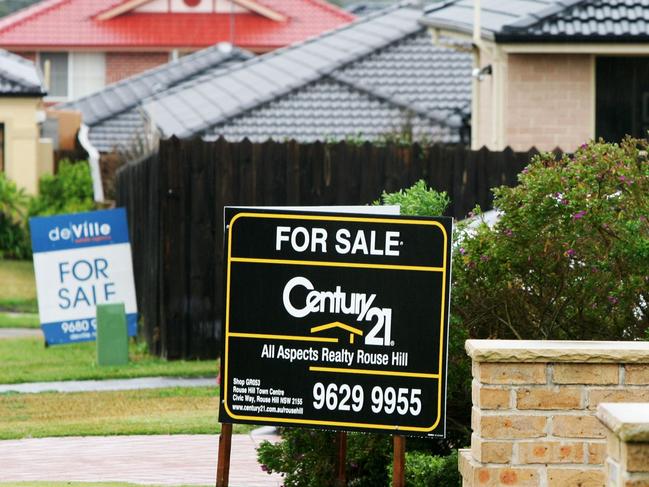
(629,421)
(557,351)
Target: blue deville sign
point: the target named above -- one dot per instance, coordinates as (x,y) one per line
(81,260)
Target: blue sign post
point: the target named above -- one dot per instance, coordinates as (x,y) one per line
(81,260)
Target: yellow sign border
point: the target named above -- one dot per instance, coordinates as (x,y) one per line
(330,218)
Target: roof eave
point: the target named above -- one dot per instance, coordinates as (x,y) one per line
(130,5)
(456,27)
(501,38)
(30,94)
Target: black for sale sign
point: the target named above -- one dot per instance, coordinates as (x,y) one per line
(336,321)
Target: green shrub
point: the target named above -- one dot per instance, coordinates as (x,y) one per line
(569,259)
(306,458)
(418,200)
(425,470)
(14,242)
(68,191)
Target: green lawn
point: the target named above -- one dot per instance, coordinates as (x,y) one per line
(10,319)
(17,286)
(27,360)
(191,410)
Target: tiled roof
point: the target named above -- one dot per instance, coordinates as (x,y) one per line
(19,76)
(547,20)
(114,115)
(328,110)
(385,64)
(380,75)
(411,85)
(610,19)
(74,23)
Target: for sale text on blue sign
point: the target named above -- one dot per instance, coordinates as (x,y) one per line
(81,260)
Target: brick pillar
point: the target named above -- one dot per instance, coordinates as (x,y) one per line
(534,409)
(627,453)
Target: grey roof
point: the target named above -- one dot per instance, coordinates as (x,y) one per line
(340,112)
(410,85)
(378,74)
(114,114)
(547,20)
(367,7)
(19,76)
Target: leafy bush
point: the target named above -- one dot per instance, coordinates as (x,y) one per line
(425,470)
(306,457)
(68,191)
(14,242)
(569,259)
(418,200)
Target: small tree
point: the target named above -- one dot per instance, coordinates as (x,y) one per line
(14,242)
(68,191)
(569,258)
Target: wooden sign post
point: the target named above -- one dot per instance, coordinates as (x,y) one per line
(341,459)
(223,465)
(399,462)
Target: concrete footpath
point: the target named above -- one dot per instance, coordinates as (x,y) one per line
(158,460)
(20,333)
(108,384)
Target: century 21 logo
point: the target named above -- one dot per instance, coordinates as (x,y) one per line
(356,304)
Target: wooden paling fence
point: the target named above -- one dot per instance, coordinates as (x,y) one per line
(175,201)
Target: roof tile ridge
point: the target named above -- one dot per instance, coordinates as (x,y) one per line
(373,91)
(396,101)
(108,8)
(19,17)
(335,65)
(364,56)
(20,81)
(542,15)
(18,58)
(333,9)
(439,6)
(321,73)
(145,74)
(211,124)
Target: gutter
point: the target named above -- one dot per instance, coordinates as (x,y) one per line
(93,161)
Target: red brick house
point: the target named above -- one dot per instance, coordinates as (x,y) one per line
(91,43)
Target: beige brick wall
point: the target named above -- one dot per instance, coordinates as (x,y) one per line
(549,101)
(534,421)
(627,450)
(120,65)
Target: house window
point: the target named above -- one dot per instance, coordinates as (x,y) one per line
(622,97)
(58,82)
(88,73)
(74,74)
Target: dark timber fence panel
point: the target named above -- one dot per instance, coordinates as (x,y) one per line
(175,202)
